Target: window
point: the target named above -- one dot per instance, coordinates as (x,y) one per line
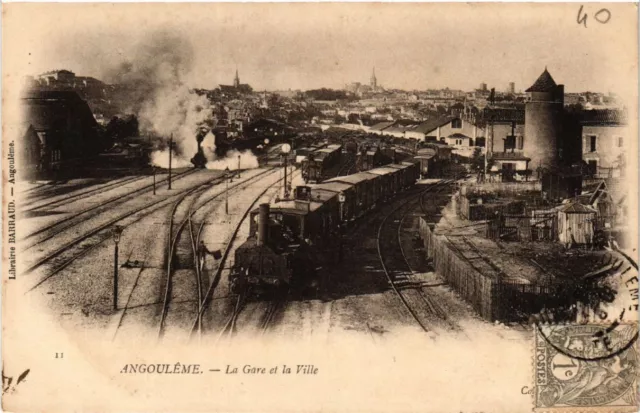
(620,140)
(593,167)
(509,142)
(520,142)
(456,123)
(592,143)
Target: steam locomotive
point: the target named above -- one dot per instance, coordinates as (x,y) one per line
(290,239)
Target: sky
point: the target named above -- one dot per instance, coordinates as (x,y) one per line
(305,46)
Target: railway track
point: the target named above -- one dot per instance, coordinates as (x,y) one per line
(65,254)
(433,305)
(174,238)
(70,251)
(50,231)
(273,309)
(82,195)
(397,268)
(32,189)
(230,326)
(241,299)
(181,219)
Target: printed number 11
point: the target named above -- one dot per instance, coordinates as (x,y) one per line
(59,355)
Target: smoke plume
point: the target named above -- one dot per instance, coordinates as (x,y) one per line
(153,87)
(247,159)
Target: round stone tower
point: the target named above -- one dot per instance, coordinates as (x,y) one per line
(543,119)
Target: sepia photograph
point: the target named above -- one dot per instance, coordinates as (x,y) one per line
(301,207)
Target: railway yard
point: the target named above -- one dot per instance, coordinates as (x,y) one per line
(177,249)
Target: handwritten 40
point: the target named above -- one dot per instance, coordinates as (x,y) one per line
(602,16)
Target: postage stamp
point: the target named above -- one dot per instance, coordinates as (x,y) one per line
(586,367)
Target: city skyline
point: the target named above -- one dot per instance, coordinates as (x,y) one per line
(424,52)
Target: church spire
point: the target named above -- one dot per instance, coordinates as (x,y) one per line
(236,80)
(373,82)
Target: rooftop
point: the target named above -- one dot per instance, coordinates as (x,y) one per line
(603,117)
(577,208)
(545,83)
(433,124)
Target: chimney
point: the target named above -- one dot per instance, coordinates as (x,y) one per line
(263,225)
(560,94)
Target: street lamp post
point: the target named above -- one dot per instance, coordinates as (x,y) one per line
(154,179)
(226,198)
(170,151)
(266,142)
(341,200)
(116,232)
(238,166)
(286,148)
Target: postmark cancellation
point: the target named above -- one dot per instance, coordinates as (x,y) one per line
(586,367)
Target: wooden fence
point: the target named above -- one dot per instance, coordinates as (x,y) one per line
(474,287)
(517,301)
(502,188)
(491,297)
(471,210)
(522,228)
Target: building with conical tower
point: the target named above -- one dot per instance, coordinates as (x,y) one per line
(543,122)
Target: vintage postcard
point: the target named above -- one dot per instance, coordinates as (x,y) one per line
(320,207)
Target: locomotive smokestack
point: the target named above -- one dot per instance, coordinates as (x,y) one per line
(263,225)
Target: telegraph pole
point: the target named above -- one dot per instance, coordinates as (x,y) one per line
(226,198)
(170,151)
(286,192)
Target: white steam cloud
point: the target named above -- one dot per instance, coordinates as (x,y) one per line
(247,160)
(154,84)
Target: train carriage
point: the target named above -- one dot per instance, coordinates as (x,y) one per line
(427,158)
(409,173)
(413,172)
(302,154)
(351,146)
(316,164)
(367,189)
(388,180)
(349,206)
(401,178)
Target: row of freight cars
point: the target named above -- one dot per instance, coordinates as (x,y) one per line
(288,240)
(318,162)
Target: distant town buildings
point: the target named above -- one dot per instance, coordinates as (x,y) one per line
(543,127)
